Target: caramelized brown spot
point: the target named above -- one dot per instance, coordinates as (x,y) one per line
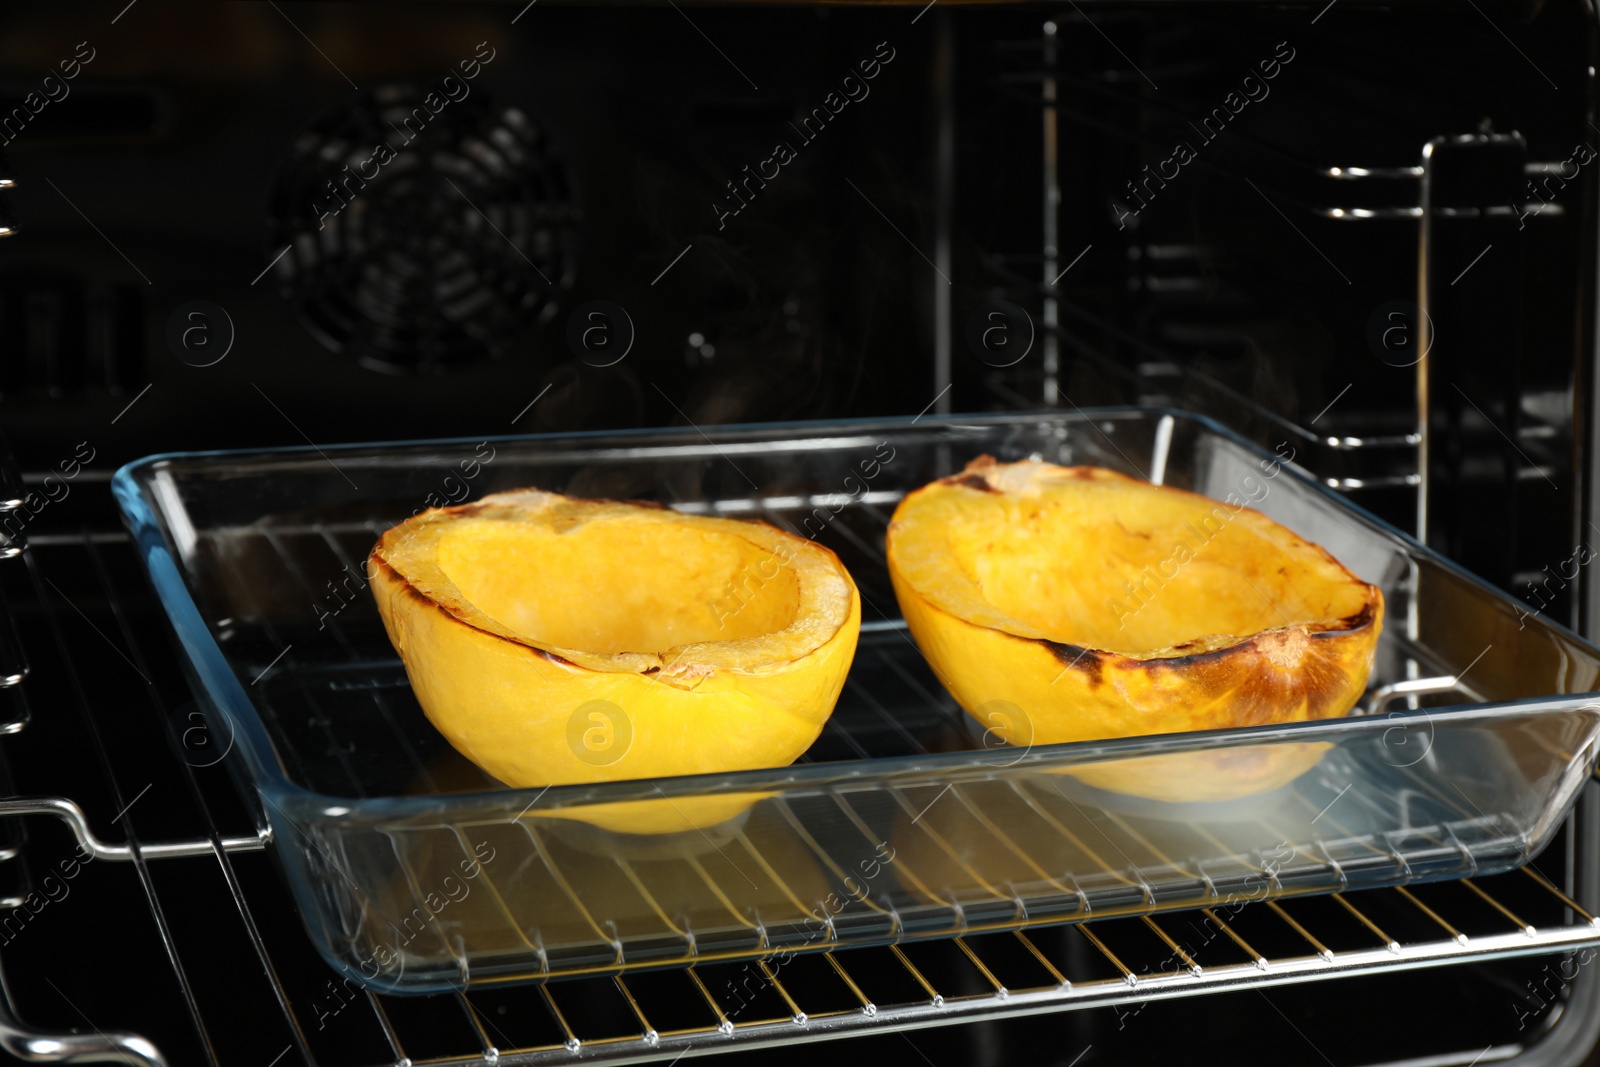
(1193,660)
(1145,534)
(1075,657)
(1360,620)
(974,481)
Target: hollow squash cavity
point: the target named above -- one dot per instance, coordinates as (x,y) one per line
(1108,568)
(660,586)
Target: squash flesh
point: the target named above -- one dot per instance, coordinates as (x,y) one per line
(664,585)
(1076,570)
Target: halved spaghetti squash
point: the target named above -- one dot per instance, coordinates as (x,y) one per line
(1102,606)
(557,640)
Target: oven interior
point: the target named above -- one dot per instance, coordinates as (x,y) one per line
(1260,213)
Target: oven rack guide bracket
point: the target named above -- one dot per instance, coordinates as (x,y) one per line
(70,813)
(102,1046)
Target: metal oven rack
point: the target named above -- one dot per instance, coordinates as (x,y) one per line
(82,597)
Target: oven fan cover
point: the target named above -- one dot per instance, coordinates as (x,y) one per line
(421,239)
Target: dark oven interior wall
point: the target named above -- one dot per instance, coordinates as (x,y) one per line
(181,143)
(1206,158)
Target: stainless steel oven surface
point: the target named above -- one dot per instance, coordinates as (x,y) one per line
(1356,236)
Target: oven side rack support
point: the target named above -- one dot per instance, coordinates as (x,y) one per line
(102,1046)
(70,813)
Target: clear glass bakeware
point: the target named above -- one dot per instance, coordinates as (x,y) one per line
(416,872)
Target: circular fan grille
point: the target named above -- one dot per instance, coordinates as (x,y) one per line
(422,236)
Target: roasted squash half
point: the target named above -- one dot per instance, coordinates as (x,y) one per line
(556,640)
(1087,604)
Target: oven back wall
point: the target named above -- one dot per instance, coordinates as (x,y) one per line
(476,214)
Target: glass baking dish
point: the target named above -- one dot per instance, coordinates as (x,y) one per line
(416,872)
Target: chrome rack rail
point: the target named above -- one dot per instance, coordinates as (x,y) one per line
(70,813)
(102,1046)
